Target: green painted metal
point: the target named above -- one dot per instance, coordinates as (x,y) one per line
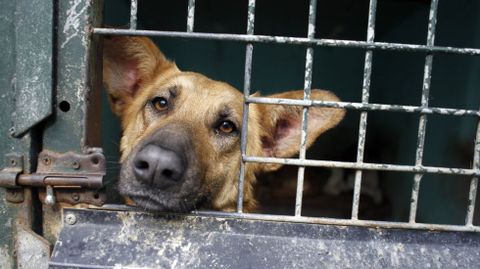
(33,77)
(75,125)
(25,94)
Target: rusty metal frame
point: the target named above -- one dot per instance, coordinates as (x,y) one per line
(370,45)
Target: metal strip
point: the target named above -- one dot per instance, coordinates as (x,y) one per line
(307,88)
(362,129)
(365,107)
(246,93)
(33,81)
(190,15)
(422,124)
(314,220)
(292,40)
(342,222)
(366,166)
(472,195)
(133,14)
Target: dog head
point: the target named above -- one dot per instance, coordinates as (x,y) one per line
(181,130)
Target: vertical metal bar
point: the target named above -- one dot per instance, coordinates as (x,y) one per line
(190,15)
(474,183)
(307,88)
(133,14)
(362,129)
(422,124)
(246,93)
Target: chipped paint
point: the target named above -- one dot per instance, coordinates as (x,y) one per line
(246,92)
(362,129)
(250,38)
(366,166)
(190,15)
(366,106)
(72,24)
(133,14)
(422,124)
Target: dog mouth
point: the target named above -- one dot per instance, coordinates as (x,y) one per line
(158,203)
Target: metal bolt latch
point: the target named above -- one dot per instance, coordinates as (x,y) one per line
(70,219)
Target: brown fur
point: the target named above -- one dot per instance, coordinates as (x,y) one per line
(135,71)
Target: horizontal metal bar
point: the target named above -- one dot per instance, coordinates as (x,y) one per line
(292,40)
(365,107)
(315,220)
(343,222)
(366,166)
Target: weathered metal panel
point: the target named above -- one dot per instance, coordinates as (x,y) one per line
(76,75)
(123,239)
(11,214)
(33,81)
(75,126)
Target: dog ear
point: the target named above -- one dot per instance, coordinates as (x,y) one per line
(129,63)
(281,124)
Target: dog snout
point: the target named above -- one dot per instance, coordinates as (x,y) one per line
(158,166)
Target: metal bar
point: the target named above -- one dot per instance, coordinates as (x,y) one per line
(307,89)
(365,107)
(190,15)
(366,166)
(422,124)
(472,195)
(133,14)
(292,40)
(314,220)
(246,93)
(342,222)
(362,129)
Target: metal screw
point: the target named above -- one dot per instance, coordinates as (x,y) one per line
(75,165)
(70,219)
(75,197)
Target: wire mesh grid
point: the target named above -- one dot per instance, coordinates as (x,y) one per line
(364,107)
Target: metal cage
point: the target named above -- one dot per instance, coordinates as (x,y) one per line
(418,170)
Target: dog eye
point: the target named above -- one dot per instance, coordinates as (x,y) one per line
(227,127)
(160,103)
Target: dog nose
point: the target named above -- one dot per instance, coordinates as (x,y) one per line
(158,166)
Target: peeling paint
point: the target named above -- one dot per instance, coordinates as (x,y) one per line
(190,15)
(72,24)
(250,38)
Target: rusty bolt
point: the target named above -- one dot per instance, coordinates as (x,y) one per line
(75,165)
(70,219)
(75,197)
(46,160)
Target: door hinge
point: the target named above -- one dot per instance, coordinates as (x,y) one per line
(55,170)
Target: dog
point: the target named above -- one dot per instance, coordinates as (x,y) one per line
(180,145)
